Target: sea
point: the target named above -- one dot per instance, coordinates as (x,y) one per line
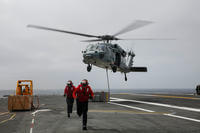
(175,91)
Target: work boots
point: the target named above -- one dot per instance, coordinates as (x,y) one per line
(68,115)
(84,127)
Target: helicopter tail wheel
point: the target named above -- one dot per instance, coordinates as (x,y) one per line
(114,68)
(89,67)
(125,76)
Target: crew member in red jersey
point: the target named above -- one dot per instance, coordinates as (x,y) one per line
(83,92)
(69,89)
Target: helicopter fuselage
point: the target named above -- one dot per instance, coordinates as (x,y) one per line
(106,55)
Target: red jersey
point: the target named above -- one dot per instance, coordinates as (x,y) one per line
(69,91)
(83,93)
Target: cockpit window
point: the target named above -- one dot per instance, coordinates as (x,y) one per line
(101,47)
(91,47)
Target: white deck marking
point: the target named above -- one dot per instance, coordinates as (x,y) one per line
(31,130)
(158,104)
(146,110)
(181,117)
(164,96)
(33,119)
(40,111)
(171,115)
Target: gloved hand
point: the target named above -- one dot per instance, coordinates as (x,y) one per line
(64,95)
(91,97)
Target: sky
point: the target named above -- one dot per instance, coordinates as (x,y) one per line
(51,58)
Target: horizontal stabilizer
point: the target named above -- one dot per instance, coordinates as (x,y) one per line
(139,69)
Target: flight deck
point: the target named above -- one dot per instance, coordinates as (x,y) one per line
(125,113)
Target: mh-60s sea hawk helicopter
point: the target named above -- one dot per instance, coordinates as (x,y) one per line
(105,54)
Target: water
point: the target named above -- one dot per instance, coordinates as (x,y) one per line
(149,91)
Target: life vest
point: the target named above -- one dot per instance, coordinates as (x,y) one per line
(69,91)
(84,91)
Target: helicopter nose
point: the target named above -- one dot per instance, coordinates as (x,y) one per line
(88,56)
(93,56)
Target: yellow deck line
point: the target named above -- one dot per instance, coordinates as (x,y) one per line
(165,96)
(124,93)
(13,115)
(125,111)
(4,113)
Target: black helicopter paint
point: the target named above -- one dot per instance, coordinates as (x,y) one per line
(105,54)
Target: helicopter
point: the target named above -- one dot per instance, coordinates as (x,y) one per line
(104,53)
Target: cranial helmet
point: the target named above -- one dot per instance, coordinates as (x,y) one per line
(84,82)
(69,83)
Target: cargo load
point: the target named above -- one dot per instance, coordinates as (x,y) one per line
(18,102)
(100,96)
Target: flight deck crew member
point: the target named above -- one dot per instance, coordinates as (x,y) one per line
(83,92)
(69,89)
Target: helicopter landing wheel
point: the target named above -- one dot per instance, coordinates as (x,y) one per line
(125,77)
(89,67)
(114,68)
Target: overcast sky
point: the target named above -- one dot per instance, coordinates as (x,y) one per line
(51,58)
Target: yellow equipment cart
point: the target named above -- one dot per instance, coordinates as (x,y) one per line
(23,100)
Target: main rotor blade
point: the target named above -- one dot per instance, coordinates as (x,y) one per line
(95,40)
(147,39)
(63,31)
(138,39)
(135,25)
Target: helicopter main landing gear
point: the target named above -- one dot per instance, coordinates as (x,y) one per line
(89,67)
(114,68)
(125,76)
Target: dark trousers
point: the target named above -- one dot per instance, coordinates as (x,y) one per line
(78,107)
(70,102)
(82,109)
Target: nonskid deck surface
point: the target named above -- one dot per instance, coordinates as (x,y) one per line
(125,113)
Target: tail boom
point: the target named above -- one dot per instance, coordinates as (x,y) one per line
(138,69)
